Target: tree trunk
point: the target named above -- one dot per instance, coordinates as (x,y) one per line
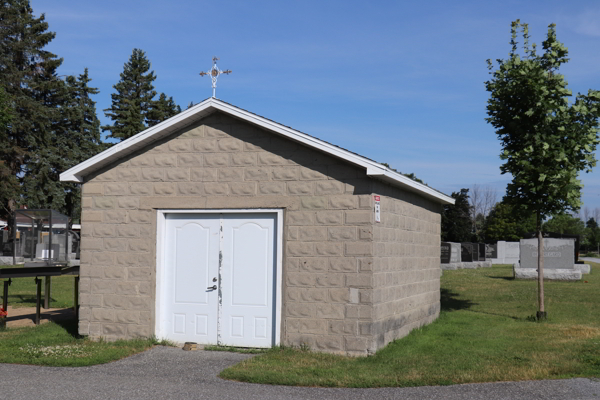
(541,314)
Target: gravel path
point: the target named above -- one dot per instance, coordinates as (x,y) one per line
(170,373)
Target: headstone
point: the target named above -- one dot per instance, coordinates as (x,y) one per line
(466,252)
(512,252)
(445,252)
(558,253)
(491,251)
(481,251)
(455,253)
(475,253)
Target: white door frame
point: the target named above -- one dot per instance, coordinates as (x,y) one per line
(161,227)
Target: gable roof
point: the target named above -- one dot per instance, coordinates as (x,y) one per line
(209,106)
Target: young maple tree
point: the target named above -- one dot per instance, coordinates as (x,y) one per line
(546,139)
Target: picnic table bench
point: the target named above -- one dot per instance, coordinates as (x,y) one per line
(38,270)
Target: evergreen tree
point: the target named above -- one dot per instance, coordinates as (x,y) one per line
(28,75)
(456,219)
(133,100)
(592,234)
(162,109)
(546,139)
(75,137)
(9,183)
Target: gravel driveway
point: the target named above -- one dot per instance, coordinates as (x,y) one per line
(171,373)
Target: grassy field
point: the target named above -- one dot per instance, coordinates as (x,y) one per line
(58,345)
(21,292)
(486,332)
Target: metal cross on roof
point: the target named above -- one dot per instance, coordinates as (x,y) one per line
(214,73)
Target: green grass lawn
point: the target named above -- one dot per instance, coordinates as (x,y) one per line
(486,332)
(58,345)
(21,292)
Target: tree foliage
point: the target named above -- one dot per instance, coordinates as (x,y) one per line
(592,234)
(9,183)
(162,109)
(564,223)
(133,98)
(28,75)
(503,223)
(133,106)
(53,123)
(456,219)
(546,140)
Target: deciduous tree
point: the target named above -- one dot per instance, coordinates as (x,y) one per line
(503,223)
(546,140)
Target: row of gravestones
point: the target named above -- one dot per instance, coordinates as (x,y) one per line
(560,262)
(463,255)
(468,252)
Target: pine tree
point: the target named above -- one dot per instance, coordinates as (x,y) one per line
(9,183)
(456,219)
(133,100)
(161,110)
(28,75)
(74,138)
(83,136)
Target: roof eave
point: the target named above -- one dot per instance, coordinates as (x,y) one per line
(208,106)
(393,177)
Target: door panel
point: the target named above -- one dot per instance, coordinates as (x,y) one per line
(244,245)
(192,258)
(247,278)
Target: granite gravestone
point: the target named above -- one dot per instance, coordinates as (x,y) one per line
(481,251)
(445,251)
(466,252)
(475,247)
(491,251)
(455,253)
(558,253)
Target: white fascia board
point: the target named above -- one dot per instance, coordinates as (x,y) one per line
(388,175)
(76,173)
(156,132)
(373,168)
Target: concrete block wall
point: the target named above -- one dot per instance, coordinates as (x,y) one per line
(406,264)
(224,163)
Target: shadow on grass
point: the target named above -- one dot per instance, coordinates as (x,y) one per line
(69,325)
(506,278)
(450,302)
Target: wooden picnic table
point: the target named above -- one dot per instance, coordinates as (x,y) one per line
(37,270)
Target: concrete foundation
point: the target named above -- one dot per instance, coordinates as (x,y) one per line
(550,274)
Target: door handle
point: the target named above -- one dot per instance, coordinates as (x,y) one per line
(213,287)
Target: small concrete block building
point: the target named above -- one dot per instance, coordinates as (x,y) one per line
(219,226)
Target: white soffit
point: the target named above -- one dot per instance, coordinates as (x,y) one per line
(207,107)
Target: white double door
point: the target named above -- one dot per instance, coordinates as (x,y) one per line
(218,280)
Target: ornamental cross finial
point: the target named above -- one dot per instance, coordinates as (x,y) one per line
(214,73)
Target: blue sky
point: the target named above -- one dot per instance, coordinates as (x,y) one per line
(400,82)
